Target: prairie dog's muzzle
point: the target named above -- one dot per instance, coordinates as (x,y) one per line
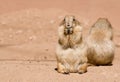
(68,31)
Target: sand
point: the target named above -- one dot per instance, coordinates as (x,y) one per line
(28,39)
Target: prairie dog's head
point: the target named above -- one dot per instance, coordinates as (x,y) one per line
(103,28)
(102,23)
(69,23)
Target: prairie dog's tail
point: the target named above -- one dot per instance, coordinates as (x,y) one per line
(101,30)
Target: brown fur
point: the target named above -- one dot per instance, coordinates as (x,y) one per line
(71,50)
(100,44)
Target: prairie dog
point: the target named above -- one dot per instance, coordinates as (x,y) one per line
(100,44)
(71,50)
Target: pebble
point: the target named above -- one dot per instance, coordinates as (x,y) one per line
(46,49)
(32,37)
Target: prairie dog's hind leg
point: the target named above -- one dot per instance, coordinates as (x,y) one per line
(82,68)
(62,69)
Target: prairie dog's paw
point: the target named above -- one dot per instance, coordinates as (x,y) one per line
(82,68)
(64,71)
(82,71)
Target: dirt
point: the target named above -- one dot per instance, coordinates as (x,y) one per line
(28,38)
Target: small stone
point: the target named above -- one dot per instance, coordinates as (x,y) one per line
(32,37)
(30,61)
(45,57)
(46,49)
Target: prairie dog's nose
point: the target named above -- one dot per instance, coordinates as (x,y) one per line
(68,25)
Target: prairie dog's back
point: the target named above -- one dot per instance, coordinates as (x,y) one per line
(101,30)
(100,44)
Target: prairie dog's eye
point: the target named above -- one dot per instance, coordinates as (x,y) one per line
(73,19)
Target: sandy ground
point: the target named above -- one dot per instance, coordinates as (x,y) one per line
(28,38)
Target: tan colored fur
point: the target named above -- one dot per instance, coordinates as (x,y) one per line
(71,50)
(100,44)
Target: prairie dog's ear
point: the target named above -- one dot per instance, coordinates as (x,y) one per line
(62,22)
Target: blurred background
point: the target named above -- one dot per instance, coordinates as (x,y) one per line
(29,36)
